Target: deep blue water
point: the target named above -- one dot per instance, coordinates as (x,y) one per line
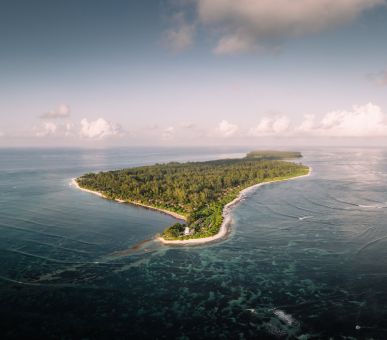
(306,258)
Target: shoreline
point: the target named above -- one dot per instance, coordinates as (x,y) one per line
(164,211)
(225,229)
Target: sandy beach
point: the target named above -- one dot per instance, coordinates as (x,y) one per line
(225,228)
(167,212)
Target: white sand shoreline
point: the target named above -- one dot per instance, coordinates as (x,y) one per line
(224,230)
(226,224)
(164,211)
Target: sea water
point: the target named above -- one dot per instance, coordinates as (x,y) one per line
(306,258)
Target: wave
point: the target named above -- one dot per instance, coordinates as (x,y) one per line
(7,279)
(305,217)
(303,208)
(48,234)
(39,256)
(371,243)
(57,247)
(373,206)
(279,213)
(342,201)
(284,317)
(363,233)
(51,226)
(328,206)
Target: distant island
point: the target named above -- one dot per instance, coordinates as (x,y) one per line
(274,155)
(198,193)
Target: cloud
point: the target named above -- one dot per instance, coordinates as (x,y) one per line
(47,129)
(269,126)
(169,133)
(362,121)
(99,129)
(247,25)
(234,43)
(226,129)
(181,35)
(307,125)
(54,129)
(62,111)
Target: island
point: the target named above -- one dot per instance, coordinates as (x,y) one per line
(200,194)
(273,155)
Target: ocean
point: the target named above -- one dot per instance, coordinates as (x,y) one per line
(306,258)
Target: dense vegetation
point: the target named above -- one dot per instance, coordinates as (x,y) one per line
(274,155)
(197,190)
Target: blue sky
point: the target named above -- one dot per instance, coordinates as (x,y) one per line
(193,72)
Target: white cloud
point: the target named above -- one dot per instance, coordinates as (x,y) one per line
(54,129)
(62,111)
(69,129)
(169,133)
(99,129)
(269,126)
(362,121)
(246,24)
(47,129)
(226,129)
(234,43)
(181,35)
(307,124)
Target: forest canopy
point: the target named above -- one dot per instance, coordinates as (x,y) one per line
(196,190)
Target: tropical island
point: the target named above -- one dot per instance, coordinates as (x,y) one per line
(198,193)
(274,155)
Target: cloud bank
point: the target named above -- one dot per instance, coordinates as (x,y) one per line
(361,121)
(254,25)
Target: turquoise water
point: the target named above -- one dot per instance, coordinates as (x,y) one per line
(306,258)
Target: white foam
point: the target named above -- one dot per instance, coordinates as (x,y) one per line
(287,318)
(304,218)
(372,206)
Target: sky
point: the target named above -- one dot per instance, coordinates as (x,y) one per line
(96,73)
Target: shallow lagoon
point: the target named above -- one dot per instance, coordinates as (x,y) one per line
(306,258)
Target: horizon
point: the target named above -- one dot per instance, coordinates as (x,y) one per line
(193,169)
(193,73)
